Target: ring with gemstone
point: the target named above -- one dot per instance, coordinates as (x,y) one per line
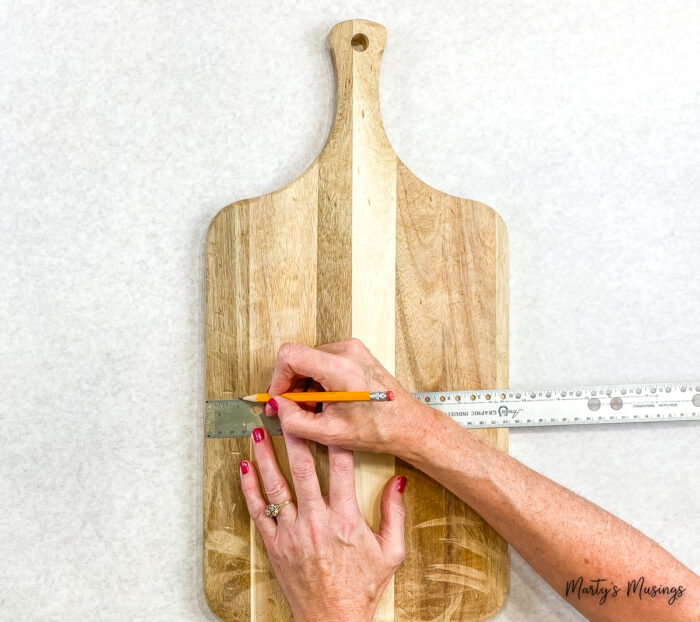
(273,509)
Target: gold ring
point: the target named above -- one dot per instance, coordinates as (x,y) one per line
(273,509)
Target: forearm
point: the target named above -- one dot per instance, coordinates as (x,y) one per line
(560,534)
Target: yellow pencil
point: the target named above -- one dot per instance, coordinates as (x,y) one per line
(328,396)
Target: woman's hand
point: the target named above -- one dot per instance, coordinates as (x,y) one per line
(348,365)
(329,563)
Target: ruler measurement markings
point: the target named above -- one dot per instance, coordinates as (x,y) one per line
(513,407)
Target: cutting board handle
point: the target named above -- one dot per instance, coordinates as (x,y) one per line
(356,48)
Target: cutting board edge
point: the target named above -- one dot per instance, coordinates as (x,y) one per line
(501,221)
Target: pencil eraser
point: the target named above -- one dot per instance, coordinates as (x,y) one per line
(389,396)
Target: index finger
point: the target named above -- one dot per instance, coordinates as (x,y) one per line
(297,361)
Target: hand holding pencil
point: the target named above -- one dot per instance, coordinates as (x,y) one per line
(342,414)
(327,396)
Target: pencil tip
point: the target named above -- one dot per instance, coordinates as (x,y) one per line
(249,398)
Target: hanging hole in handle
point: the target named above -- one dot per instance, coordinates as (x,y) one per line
(359,42)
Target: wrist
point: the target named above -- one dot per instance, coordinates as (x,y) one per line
(418,423)
(351,614)
(435,442)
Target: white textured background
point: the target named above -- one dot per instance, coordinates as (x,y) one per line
(127,126)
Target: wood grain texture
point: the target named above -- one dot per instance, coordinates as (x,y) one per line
(357,246)
(452,327)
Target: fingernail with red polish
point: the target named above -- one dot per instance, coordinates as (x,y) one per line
(268,388)
(272,403)
(245,467)
(401,483)
(258,434)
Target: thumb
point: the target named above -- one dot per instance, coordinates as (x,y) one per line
(295,420)
(391,525)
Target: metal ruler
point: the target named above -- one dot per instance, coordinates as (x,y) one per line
(507,408)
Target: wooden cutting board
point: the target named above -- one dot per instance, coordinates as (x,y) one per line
(357,246)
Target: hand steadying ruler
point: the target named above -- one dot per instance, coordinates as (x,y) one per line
(507,408)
